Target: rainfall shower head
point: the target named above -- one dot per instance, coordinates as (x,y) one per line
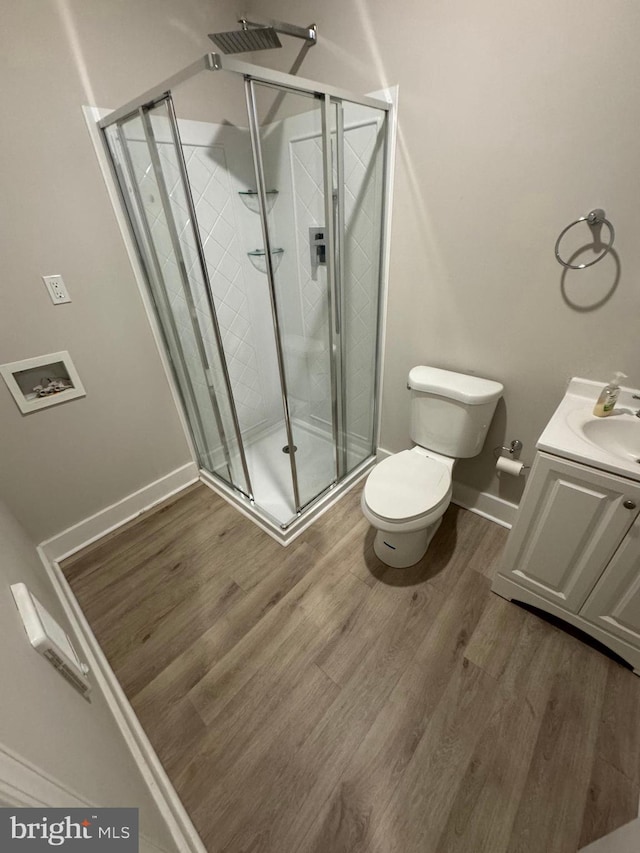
(254,36)
(239,41)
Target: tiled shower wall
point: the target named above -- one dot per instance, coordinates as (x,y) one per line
(225,227)
(362,194)
(219,164)
(224,230)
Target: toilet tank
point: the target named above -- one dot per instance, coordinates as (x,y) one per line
(451,412)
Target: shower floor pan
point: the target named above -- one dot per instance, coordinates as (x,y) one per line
(270,471)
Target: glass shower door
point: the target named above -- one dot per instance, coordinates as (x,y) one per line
(148,162)
(360,152)
(326,158)
(291,138)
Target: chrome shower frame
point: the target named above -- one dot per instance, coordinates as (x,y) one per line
(328,95)
(220,62)
(308,34)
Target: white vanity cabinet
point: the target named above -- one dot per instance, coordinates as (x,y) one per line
(574,551)
(614,604)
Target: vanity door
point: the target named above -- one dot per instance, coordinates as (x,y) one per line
(614,604)
(571,521)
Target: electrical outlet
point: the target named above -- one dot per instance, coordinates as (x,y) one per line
(57,289)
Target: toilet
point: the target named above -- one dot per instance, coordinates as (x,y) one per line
(406,495)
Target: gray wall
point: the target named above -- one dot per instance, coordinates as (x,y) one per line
(514,120)
(44,721)
(63,464)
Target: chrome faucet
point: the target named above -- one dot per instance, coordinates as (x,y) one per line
(623,410)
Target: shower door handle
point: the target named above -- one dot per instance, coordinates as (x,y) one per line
(337,265)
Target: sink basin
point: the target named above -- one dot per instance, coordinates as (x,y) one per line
(611,444)
(617,434)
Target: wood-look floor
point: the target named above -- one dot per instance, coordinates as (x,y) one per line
(311,699)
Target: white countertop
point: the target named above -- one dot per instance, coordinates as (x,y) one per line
(563,435)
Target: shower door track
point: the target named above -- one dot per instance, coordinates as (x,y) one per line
(287,532)
(216,62)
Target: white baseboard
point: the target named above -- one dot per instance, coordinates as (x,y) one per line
(160,787)
(382,454)
(75,538)
(482,503)
(485,504)
(23,785)
(63,545)
(26,786)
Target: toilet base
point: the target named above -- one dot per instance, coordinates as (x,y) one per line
(401,550)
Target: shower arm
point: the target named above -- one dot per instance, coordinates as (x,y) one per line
(308,34)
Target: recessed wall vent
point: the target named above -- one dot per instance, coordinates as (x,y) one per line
(48,637)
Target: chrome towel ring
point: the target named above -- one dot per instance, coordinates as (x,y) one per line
(594,218)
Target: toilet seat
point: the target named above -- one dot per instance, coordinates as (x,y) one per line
(407,487)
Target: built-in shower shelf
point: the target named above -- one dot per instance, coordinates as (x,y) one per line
(257,258)
(250,199)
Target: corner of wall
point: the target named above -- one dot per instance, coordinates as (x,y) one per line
(85,532)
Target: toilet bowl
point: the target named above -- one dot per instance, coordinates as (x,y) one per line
(407,494)
(405,498)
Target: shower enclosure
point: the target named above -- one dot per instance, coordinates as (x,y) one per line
(256,200)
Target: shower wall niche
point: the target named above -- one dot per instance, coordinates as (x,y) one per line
(275,355)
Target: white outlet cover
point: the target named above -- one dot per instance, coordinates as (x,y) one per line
(57,289)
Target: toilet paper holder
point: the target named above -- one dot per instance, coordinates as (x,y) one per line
(514,450)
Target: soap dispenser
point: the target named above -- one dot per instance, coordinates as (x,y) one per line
(608,396)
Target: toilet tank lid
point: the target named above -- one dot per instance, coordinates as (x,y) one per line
(471,390)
